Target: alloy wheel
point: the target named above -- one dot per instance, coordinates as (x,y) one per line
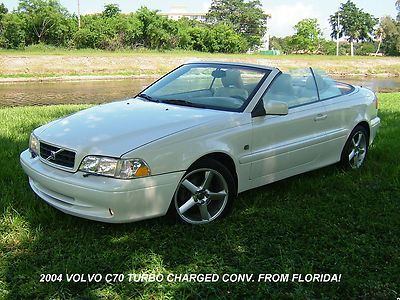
(357,150)
(201,196)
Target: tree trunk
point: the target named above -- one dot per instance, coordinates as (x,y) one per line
(352,47)
(379,45)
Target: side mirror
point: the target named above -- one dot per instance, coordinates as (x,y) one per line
(276,108)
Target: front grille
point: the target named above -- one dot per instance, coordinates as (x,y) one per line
(62,157)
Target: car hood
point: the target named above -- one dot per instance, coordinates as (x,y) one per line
(116,128)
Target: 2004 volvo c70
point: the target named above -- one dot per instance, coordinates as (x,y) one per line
(194,139)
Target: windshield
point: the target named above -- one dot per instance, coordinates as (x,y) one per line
(215,86)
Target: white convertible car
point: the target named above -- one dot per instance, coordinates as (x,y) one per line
(197,137)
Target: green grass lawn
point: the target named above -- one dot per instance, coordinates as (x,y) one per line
(326,221)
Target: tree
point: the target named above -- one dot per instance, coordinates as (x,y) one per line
(222,38)
(109,33)
(3,10)
(158,32)
(379,36)
(284,45)
(355,24)
(391,36)
(245,17)
(45,21)
(308,36)
(111,10)
(13,34)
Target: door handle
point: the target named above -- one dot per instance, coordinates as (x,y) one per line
(320,117)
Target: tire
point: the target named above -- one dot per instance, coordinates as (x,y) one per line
(204,194)
(355,150)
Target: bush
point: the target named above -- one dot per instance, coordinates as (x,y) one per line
(132,29)
(328,47)
(365,48)
(49,23)
(222,38)
(85,38)
(158,32)
(198,37)
(41,22)
(13,34)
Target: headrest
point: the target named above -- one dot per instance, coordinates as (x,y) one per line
(232,79)
(282,84)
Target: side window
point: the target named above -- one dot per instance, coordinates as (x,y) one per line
(296,87)
(327,87)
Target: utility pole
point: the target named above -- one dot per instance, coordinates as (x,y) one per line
(79,15)
(337,34)
(267,33)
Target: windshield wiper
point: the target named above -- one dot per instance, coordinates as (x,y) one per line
(182,102)
(147,97)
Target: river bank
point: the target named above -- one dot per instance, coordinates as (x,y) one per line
(71,65)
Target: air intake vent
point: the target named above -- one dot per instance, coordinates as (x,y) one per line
(57,155)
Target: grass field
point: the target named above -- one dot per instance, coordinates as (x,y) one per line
(326,221)
(44,62)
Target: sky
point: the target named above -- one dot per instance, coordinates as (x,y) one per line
(285,13)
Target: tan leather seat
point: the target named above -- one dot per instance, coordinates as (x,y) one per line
(232,86)
(282,90)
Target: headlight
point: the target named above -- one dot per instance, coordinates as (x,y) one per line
(113,167)
(34,147)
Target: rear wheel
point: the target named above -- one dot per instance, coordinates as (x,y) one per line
(205,193)
(356,148)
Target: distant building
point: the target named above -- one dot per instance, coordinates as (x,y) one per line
(266,38)
(265,42)
(179,12)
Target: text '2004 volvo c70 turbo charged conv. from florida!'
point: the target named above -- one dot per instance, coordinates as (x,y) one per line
(197,137)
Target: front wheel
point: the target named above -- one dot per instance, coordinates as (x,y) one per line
(356,148)
(205,193)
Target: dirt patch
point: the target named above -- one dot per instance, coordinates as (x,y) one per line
(71,67)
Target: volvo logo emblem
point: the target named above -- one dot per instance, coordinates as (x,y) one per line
(53,154)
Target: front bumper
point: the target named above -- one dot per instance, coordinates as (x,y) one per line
(101,198)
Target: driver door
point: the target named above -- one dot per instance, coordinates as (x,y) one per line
(286,145)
